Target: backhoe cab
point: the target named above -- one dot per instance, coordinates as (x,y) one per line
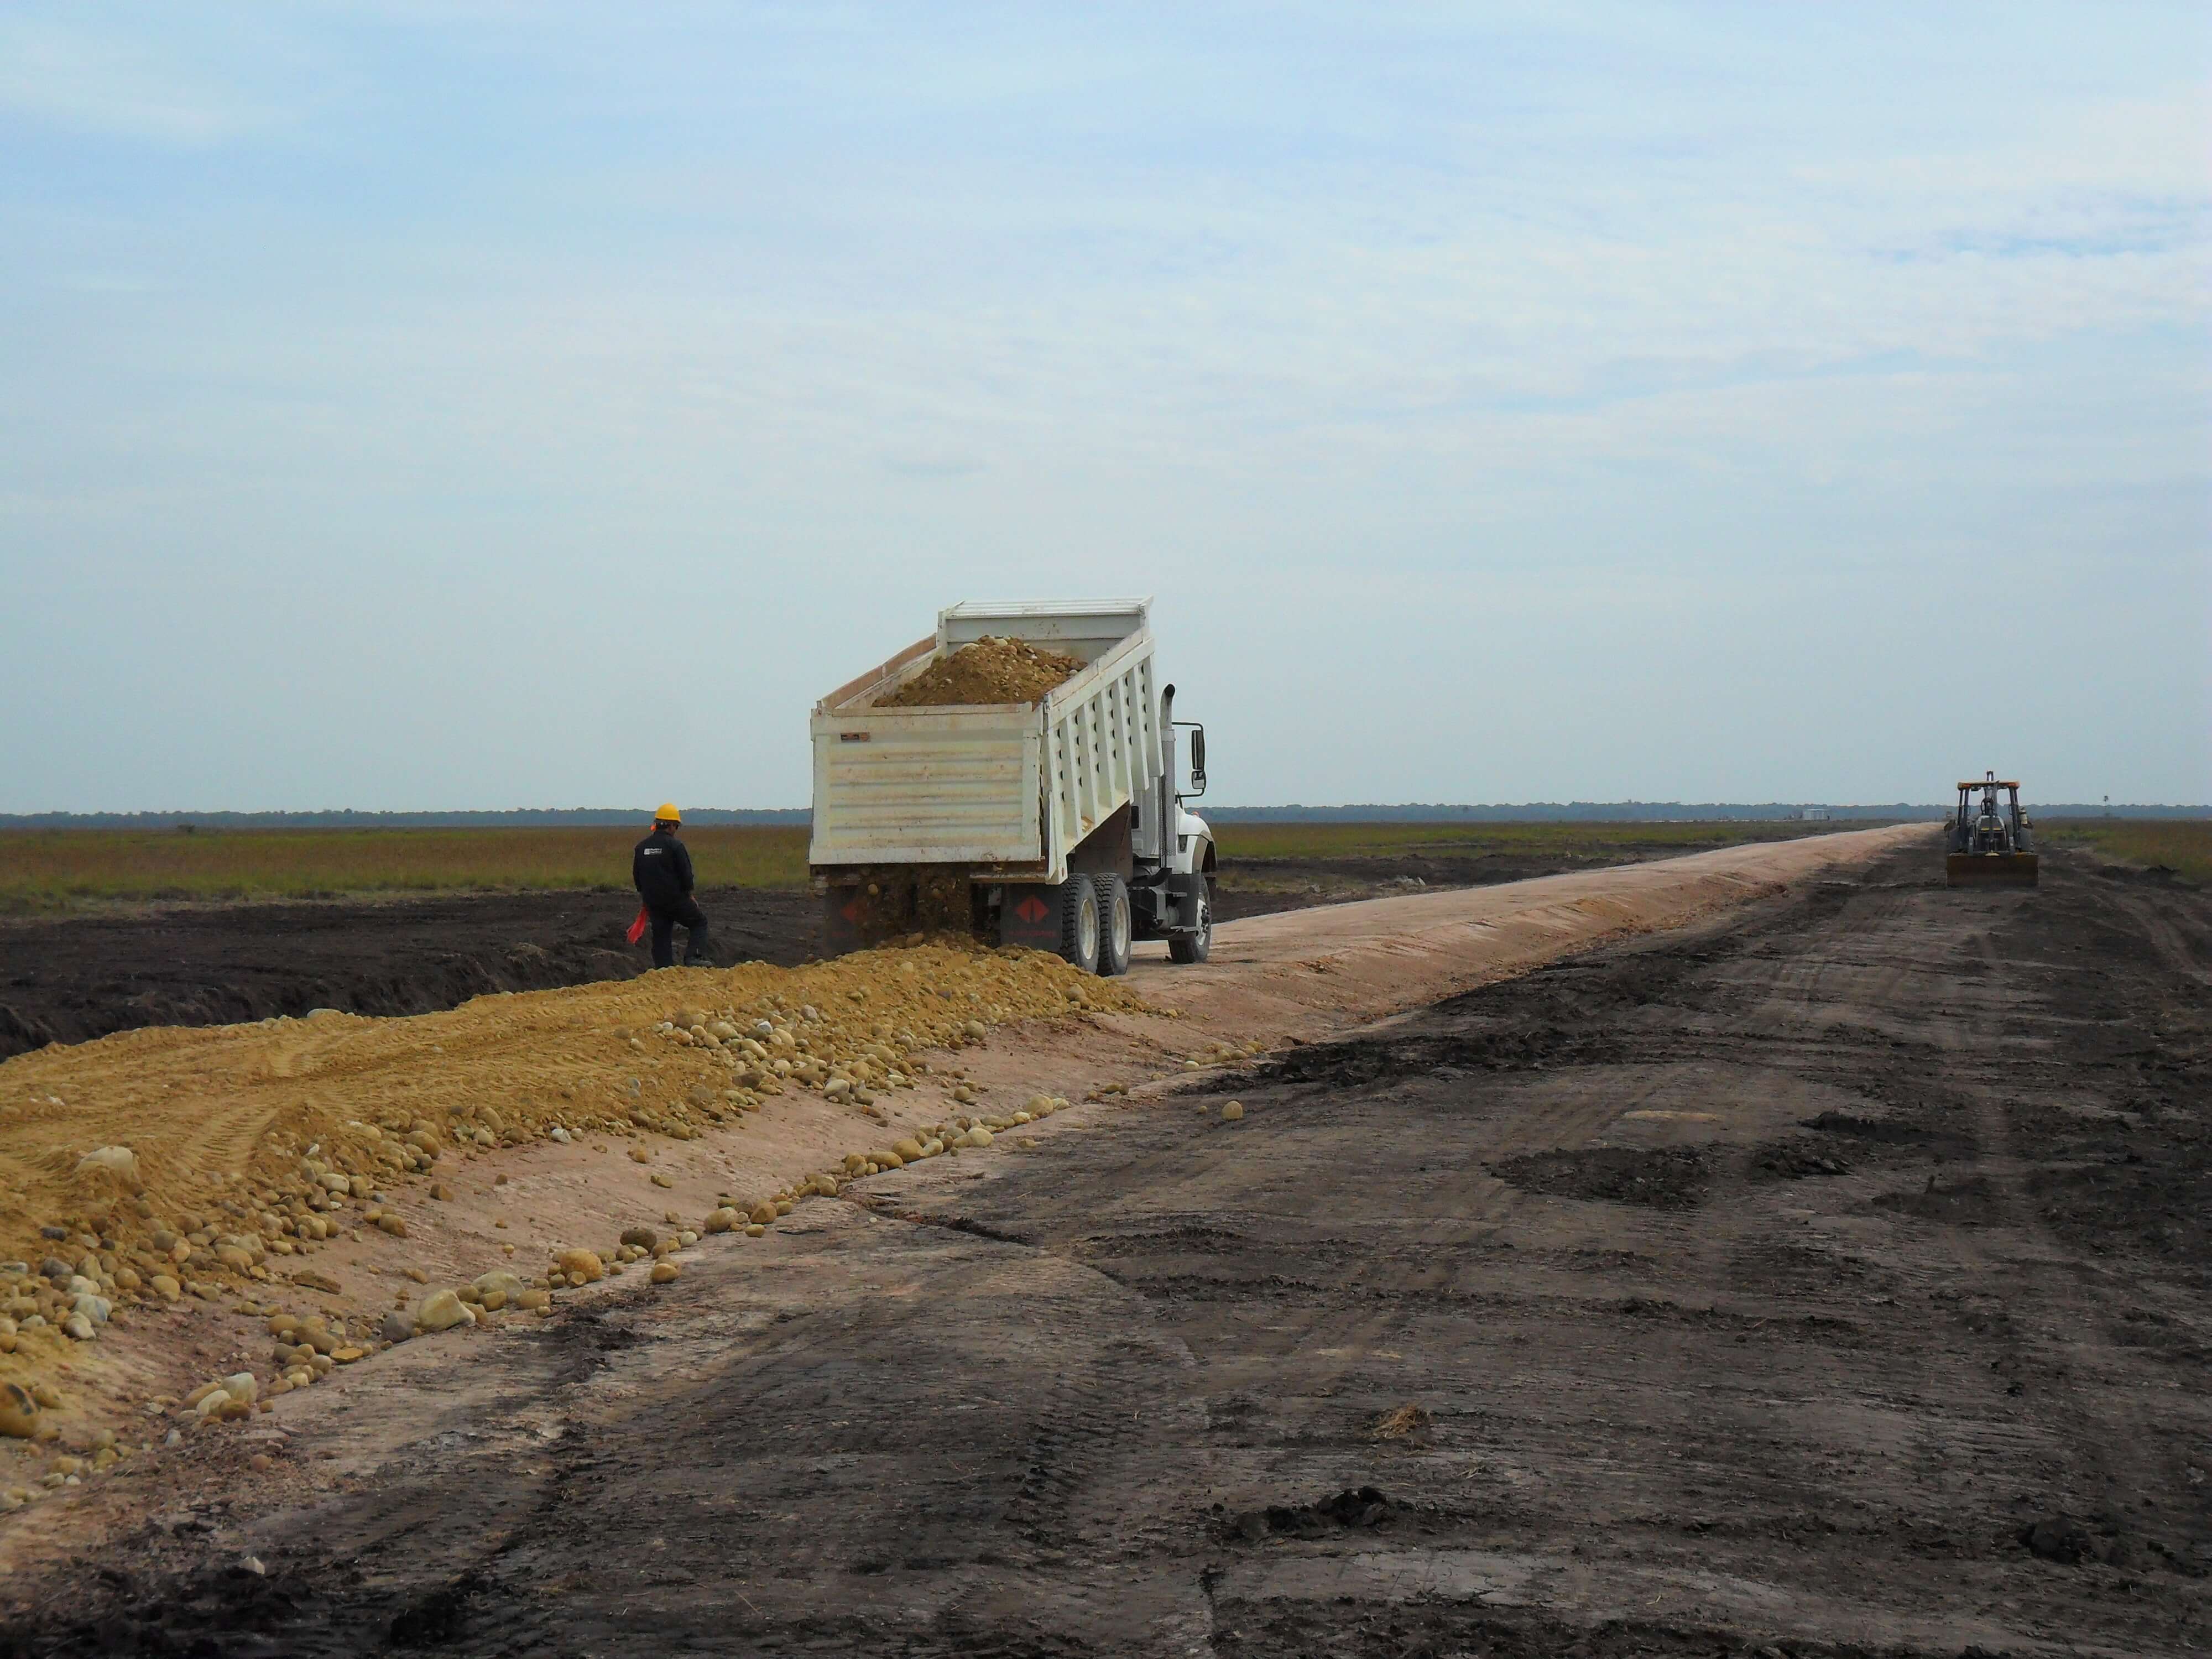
(1985,843)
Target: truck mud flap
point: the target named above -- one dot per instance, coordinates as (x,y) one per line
(1184,893)
(1028,915)
(1150,911)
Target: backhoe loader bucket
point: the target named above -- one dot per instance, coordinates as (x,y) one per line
(1990,869)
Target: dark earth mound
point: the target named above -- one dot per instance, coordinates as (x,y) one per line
(1366,1508)
(1792,1160)
(1673,1178)
(67,978)
(1869,1128)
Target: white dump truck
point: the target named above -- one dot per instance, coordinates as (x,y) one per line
(1057,823)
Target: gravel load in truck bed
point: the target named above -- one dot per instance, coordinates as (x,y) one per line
(991,670)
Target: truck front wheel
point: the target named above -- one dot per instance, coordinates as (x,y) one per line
(1079,923)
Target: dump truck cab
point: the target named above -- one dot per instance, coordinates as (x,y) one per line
(1173,858)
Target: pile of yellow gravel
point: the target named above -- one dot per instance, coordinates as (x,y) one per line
(170,1162)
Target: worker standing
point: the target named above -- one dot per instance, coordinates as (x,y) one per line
(661,868)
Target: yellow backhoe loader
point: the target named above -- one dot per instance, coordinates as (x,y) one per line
(1986,845)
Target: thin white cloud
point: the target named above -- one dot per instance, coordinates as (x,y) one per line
(62,72)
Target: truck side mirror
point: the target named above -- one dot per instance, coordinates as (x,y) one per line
(1197,758)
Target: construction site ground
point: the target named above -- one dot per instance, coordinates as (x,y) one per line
(1772,1251)
(70,977)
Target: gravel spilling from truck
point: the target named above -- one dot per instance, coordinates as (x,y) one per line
(993,669)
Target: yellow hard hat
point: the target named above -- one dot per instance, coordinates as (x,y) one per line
(668,814)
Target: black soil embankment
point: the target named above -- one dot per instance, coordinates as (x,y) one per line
(71,979)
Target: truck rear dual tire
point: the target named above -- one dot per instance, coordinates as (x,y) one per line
(1095,925)
(1080,927)
(1116,926)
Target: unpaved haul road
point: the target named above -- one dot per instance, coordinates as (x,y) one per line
(1302,972)
(1685,1376)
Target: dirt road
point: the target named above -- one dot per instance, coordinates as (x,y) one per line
(1685,1374)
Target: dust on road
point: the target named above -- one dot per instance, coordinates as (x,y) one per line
(1141,1387)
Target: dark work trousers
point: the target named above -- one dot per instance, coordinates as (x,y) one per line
(685,913)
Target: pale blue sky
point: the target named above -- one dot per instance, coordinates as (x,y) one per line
(451,405)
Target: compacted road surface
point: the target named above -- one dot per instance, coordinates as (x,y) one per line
(1830,1280)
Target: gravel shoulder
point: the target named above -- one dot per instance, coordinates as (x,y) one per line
(1535,1321)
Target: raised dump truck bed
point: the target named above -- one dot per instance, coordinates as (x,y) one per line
(930,817)
(1008,789)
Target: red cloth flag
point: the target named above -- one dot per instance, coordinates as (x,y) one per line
(637,927)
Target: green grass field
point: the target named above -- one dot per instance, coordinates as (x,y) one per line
(56,869)
(2181,845)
